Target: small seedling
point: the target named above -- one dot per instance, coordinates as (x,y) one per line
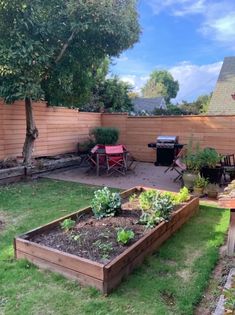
(105,248)
(124,236)
(76,237)
(67,224)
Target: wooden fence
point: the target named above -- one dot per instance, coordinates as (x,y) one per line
(60,129)
(208,131)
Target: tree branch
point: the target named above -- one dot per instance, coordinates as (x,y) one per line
(65,46)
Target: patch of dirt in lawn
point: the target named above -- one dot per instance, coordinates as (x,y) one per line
(216,284)
(168,298)
(94,239)
(185,274)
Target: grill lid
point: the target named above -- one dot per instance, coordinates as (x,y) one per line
(167,139)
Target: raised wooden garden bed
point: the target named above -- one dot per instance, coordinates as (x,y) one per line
(52,164)
(11,175)
(103,276)
(42,165)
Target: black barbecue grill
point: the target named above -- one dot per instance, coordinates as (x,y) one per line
(167,147)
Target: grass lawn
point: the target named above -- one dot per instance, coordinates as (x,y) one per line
(170,282)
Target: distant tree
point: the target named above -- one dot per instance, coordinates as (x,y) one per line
(204,101)
(161,83)
(51,49)
(111,95)
(199,106)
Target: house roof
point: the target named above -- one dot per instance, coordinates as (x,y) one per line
(222,102)
(148,104)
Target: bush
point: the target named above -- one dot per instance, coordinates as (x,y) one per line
(209,157)
(156,207)
(105,203)
(105,135)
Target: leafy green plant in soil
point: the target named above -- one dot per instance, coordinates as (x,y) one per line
(105,203)
(170,282)
(67,224)
(125,236)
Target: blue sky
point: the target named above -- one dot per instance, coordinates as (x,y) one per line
(189,38)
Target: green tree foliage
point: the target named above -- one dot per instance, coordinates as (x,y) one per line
(199,106)
(110,95)
(161,83)
(52,49)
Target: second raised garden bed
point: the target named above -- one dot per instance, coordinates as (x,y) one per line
(103,273)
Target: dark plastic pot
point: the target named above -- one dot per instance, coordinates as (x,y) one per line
(212,174)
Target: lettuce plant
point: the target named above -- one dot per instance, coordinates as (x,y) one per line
(105,203)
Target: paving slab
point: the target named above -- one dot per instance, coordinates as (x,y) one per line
(144,174)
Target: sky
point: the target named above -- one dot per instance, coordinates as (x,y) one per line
(189,38)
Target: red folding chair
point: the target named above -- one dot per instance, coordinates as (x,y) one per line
(116,159)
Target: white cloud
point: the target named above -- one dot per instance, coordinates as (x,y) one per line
(131,79)
(195,80)
(218,17)
(221,29)
(136,81)
(178,7)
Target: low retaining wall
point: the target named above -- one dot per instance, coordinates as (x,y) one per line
(15,174)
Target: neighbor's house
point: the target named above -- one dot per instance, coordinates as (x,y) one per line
(222,101)
(148,104)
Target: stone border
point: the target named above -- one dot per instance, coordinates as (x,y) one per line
(220,306)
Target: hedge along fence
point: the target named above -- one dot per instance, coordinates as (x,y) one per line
(60,129)
(209,131)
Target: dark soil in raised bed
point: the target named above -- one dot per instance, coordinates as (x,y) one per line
(95,239)
(9,163)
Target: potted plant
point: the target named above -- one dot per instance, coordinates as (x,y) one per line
(200,184)
(210,165)
(192,169)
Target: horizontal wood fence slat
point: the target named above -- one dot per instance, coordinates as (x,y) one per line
(60,129)
(208,131)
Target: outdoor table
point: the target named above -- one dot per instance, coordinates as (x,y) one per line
(101,153)
(230,203)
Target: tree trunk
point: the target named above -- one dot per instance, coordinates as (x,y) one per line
(31,132)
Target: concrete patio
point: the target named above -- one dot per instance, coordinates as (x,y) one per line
(144,174)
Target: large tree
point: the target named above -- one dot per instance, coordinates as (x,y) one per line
(110,95)
(51,49)
(161,83)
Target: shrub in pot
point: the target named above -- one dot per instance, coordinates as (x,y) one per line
(210,168)
(200,184)
(105,135)
(192,169)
